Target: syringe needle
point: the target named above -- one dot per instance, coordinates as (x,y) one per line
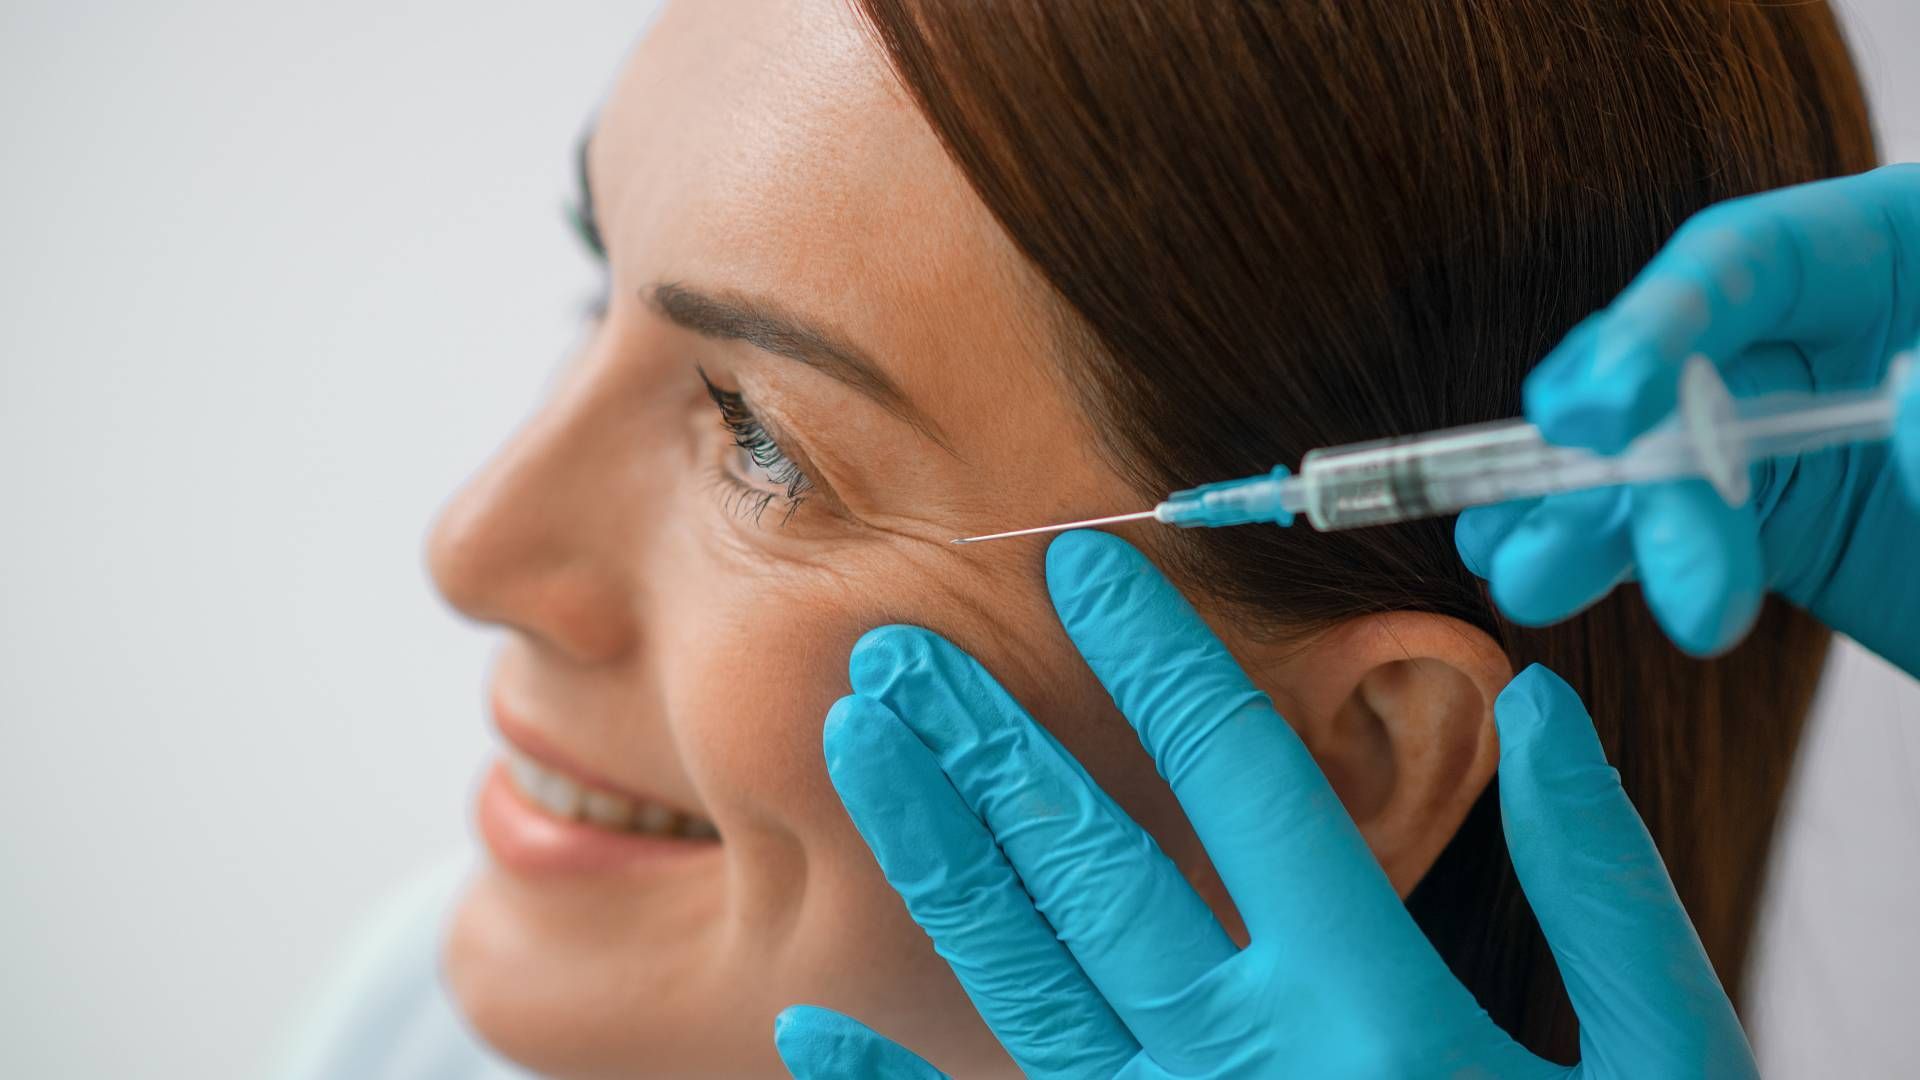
(1064,526)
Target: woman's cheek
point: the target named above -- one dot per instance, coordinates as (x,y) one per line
(750,645)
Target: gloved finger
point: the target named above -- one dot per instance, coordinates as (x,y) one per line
(1699,562)
(1119,905)
(1647,998)
(1906,436)
(820,1044)
(1284,845)
(1479,531)
(961,890)
(1563,556)
(1815,264)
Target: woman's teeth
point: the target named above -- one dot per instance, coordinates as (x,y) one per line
(563,797)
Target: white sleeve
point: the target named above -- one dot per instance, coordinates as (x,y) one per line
(385,1014)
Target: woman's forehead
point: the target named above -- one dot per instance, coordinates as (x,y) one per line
(767,150)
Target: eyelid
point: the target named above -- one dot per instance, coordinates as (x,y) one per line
(817,486)
(751,435)
(820,487)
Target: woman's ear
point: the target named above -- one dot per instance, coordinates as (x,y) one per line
(1398,710)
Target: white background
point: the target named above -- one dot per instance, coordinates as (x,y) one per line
(273,279)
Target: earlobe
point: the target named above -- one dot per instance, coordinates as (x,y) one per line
(1397,709)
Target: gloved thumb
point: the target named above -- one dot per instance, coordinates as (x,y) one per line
(820,1044)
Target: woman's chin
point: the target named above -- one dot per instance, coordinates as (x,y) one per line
(543,985)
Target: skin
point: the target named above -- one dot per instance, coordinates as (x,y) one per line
(690,650)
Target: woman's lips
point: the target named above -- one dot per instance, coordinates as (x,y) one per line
(527,742)
(528,839)
(540,815)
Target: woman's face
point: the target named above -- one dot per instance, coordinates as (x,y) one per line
(820,361)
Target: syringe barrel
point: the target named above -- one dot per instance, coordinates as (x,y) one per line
(1444,472)
(1710,435)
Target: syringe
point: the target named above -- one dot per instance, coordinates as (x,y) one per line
(1711,434)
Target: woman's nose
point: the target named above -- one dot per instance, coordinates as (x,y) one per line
(541,539)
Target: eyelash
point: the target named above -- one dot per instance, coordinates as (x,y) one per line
(750,436)
(585,227)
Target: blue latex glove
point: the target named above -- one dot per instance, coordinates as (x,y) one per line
(1088,953)
(1811,287)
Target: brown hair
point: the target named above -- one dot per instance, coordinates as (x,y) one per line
(1279,225)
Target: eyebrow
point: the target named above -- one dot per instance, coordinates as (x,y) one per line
(728,316)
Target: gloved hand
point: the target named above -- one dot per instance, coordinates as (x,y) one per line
(1087,952)
(1810,287)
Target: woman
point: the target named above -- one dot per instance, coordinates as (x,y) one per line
(882,277)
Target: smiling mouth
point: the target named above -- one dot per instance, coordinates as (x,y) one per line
(564,797)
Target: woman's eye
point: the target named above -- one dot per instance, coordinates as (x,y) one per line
(586,230)
(593,307)
(746,468)
(758,471)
